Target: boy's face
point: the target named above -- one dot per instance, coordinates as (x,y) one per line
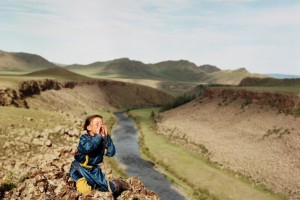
(95,125)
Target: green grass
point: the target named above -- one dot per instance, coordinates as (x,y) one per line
(6,186)
(202,179)
(29,118)
(58,73)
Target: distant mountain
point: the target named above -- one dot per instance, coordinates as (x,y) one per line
(181,70)
(122,68)
(209,68)
(282,76)
(231,77)
(167,71)
(125,68)
(23,62)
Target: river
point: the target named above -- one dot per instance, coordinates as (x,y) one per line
(128,154)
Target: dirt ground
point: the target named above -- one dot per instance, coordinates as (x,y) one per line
(256,141)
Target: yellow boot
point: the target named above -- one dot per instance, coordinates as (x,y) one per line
(82,186)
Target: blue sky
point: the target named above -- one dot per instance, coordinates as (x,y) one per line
(259,35)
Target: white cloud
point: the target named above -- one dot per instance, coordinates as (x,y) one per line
(151,31)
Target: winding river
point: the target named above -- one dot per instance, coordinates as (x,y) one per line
(128,154)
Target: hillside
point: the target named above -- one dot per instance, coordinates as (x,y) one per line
(173,77)
(230,77)
(122,68)
(58,73)
(39,131)
(251,81)
(23,62)
(181,70)
(112,94)
(37,148)
(253,134)
(209,68)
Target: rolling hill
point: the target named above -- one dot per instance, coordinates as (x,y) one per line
(122,68)
(174,71)
(209,68)
(58,73)
(230,77)
(166,72)
(181,70)
(23,62)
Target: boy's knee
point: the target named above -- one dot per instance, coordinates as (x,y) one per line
(82,186)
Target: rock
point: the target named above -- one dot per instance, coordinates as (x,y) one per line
(58,129)
(48,143)
(26,139)
(39,142)
(29,119)
(74,132)
(6,145)
(51,181)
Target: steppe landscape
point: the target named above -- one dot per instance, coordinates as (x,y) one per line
(247,132)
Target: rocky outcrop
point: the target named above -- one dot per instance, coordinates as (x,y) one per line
(10,97)
(29,88)
(36,165)
(119,94)
(287,102)
(51,180)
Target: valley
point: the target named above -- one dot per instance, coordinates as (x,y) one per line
(238,137)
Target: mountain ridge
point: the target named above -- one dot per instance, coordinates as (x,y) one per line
(23,62)
(125,68)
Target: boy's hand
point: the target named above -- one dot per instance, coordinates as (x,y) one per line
(103,130)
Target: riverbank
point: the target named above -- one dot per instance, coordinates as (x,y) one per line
(202,180)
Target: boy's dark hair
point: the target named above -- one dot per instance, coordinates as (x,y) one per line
(89,120)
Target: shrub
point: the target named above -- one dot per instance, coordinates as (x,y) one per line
(6,187)
(177,102)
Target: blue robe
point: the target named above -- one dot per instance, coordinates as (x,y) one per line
(90,152)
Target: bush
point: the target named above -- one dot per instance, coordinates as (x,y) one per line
(6,187)
(177,102)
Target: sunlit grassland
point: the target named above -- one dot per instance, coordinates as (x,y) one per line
(29,118)
(13,80)
(200,178)
(174,88)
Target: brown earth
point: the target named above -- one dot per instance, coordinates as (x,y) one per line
(249,133)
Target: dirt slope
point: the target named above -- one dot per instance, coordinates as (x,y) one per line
(255,140)
(107,94)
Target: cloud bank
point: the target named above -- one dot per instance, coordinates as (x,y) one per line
(260,36)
